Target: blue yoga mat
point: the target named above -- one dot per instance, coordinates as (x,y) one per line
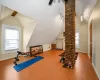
(23,65)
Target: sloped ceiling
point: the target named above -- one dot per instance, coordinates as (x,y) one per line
(96,12)
(84,8)
(47,18)
(5,12)
(49,23)
(28,24)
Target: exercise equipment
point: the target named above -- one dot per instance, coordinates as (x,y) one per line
(16,59)
(25,64)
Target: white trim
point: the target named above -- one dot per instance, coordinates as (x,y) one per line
(89,56)
(5,57)
(2,40)
(96,71)
(81,52)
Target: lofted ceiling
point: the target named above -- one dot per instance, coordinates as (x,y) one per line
(84,8)
(49,23)
(31,7)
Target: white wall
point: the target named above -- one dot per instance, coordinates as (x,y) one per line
(83,37)
(5,12)
(95,17)
(47,17)
(13,22)
(46,47)
(82,28)
(28,25)
(0,11)
(59,41)
(96,45)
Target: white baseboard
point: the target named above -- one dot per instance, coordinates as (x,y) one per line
(81,52)
(96,71)
(5,57)
(89,56)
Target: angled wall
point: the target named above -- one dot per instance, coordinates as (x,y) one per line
(46,29)
(28,25)
(13,22)
(5,12)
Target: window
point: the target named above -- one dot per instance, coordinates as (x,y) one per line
(77,39)
(10,38)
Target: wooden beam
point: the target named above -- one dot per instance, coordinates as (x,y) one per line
(14,13)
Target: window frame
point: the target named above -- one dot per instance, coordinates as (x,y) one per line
(4,27)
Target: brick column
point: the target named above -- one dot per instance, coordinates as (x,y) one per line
(69,34)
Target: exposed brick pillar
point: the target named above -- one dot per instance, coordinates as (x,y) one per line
(70,33)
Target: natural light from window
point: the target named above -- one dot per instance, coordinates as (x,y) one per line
(77,39)
(11,39)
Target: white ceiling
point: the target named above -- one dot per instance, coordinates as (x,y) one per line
(85,7)
(31,7)
(95,16)
(47,17)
